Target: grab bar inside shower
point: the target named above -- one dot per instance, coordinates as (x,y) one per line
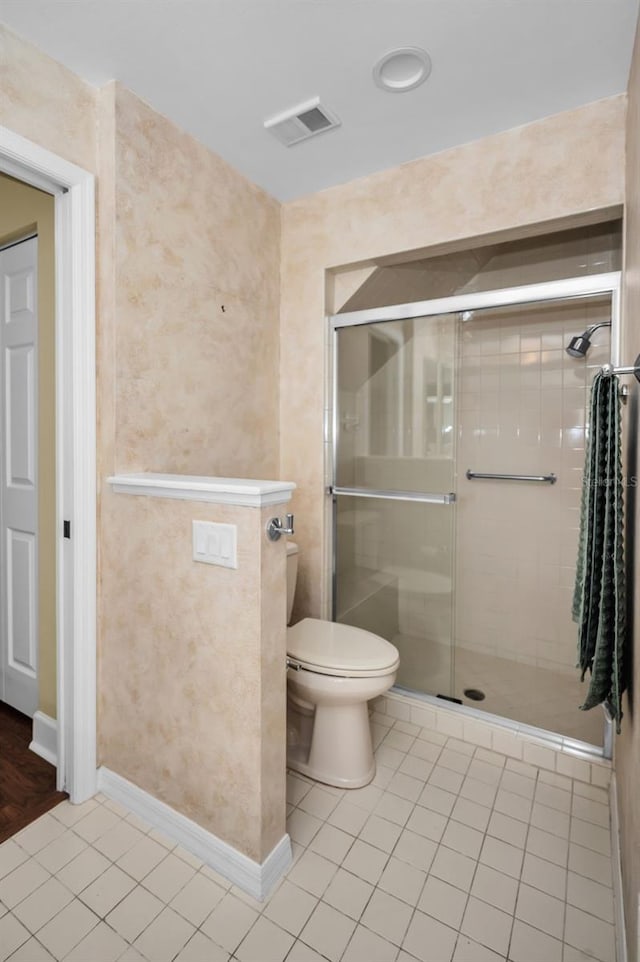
(540,478)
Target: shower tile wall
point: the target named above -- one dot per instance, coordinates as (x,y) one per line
(521,409)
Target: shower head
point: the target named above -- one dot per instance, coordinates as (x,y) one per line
(579,345)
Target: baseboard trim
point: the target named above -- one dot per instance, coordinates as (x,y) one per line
(45,738)
(257,879)
(616,865)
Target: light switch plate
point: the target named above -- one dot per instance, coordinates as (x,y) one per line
(215,544)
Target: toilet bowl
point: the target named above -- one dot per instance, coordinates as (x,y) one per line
(333,670)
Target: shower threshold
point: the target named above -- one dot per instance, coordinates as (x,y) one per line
(540,697)
(555,741)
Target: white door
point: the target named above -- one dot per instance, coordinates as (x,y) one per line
(18,464)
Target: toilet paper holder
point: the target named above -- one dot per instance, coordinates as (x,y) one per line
(275,528)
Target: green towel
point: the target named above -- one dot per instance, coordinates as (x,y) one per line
(599,600)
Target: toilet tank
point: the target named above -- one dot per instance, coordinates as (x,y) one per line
(292,575)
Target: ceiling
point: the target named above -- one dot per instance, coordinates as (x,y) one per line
(219,68)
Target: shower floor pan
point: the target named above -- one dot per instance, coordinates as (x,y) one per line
(543,697)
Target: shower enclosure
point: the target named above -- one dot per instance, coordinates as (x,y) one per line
(459,428)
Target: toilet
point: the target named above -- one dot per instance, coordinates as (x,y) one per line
(333,670)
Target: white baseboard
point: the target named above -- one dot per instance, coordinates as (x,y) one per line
(616,865)
(255,878)
(45,738)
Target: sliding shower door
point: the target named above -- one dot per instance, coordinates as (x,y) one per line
(394,457)
(488,404)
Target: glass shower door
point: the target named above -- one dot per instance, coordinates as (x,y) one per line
(394,457)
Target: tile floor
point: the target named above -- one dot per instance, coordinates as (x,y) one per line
(453,853)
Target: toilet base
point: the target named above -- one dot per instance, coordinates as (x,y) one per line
(337,750)
(329,778)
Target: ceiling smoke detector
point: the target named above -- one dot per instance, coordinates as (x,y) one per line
(301,122)
(402,69)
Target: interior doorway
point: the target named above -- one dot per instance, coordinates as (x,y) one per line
(74,740)
(20,474)
(28,656)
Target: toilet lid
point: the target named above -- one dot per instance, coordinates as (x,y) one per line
(330,648)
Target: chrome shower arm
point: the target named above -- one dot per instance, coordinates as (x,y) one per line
(594,327)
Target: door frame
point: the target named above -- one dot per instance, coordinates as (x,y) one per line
(73,190)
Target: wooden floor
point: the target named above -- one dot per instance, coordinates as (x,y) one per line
(27,782)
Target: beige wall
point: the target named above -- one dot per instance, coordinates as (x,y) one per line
(186,387)
(24,209)
(192,681)
(43,101)
(197,289)
(555,168)
(627,754)
(183,386)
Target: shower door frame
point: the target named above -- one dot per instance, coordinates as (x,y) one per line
(560,290)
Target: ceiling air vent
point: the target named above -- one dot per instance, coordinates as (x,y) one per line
(301,122)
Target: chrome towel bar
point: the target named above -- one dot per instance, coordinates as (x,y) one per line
(609,369)
(540,478)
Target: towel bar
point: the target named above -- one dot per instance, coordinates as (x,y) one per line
(540,478)
(609,369)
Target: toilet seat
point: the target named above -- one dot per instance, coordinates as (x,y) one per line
(340,650)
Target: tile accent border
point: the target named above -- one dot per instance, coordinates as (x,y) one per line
(554,754)
(616,866)
(45,738)
(256,879)
(242,491)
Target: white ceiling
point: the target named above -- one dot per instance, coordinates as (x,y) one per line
(219,68)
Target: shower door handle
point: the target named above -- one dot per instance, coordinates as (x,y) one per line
(424,497)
